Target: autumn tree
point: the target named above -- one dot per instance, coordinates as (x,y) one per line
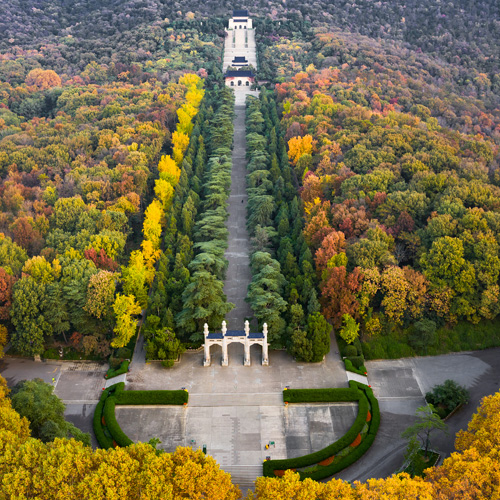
(43,79)
(124,307)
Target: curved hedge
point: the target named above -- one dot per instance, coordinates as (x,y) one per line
(368,413)
(119,437)
(106,428)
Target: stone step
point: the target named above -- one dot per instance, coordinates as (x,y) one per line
(235,399)
(243,475)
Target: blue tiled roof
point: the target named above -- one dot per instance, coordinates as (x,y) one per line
(214,335)
(236,74)
(256,335)
(241,12)
(240,59)
(235,333)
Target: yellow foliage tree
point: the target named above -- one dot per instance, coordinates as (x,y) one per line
(190,80)
(150,258)
(164,192)
(299,146)
(194,96)
(185,116)
(153,217)
(169,170)
(180,141)
(125,307)
(41,270)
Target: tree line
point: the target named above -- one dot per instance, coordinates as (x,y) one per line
(282,291)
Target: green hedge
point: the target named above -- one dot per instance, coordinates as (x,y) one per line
(123,368)
(116,394)
(350,368)
(101,431)
(114,428)
(152,397)
(320,395)
(366,401)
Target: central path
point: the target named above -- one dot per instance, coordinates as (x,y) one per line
(238,275)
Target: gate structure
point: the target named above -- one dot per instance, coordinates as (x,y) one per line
(245,337)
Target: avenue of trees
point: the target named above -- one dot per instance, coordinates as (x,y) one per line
(283,288)
(188,290)
(67,469)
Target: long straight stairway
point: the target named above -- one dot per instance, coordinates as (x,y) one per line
(238,275)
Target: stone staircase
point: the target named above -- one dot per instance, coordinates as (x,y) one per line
(243,475)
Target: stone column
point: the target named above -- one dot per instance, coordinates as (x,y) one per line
(206,361)
(225,360)
(265,353)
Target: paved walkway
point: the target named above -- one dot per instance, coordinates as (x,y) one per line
(400,386)
(238,275)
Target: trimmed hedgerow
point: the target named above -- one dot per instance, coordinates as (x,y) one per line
(123,368)
(119,437)
(103,440)
(350,368)
(366,402)
(152,397)
(99,422)
(320,395)
(107,430)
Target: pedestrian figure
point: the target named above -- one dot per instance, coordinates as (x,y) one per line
(53,380)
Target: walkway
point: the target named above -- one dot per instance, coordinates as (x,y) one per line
(238,275)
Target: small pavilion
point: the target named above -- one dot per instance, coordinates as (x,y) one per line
(245,337)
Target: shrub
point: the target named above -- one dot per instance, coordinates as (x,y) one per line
(447,396)
(167,363)
(357,361)
(97,424)
(350,350)
(101,431)
(114,428)
(123,353)
(51,354)
(320,395)
(123,368)
(350,368)
(114,363)
(152,397)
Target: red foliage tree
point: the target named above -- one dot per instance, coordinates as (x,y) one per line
(6,283)
(101,259)
(338,293)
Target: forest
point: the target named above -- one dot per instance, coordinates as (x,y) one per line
(372,166)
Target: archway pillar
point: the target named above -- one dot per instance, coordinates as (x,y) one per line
(247,361)
(225,358)
(206,360)
(265,352)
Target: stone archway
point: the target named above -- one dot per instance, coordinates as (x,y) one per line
(247,83)
(239,83)
(244,337)
(232,84)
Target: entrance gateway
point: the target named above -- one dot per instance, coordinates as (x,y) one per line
(245,337)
